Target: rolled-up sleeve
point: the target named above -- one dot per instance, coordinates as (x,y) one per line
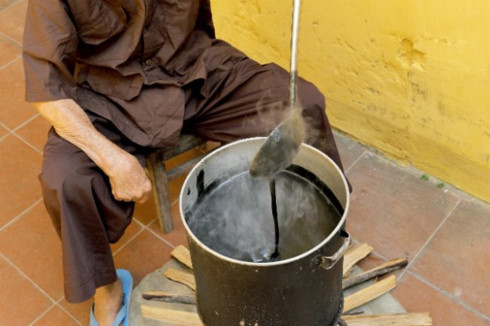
(49,51)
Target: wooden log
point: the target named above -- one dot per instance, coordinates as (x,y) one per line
(354,255)
(172,316)
(183,255)
(177,275)
(157,172)
(410,319)
(185,318)
(369,293)
(169,297)
(182,169)
(186,142)
(380,270)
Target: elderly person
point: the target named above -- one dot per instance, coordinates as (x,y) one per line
(118,79)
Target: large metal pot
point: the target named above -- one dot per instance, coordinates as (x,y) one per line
(302,290)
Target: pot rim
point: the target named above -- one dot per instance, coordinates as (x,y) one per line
(264,264)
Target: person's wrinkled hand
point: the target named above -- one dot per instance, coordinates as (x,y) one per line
(128,179)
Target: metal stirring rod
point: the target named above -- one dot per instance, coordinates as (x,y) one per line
(282,145)
(293,87)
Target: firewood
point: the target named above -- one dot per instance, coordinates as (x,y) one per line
(172,316)
(369,293)
(380,270)
(169,297)
(185,318)
(183,255)
(177,275)
(354,255)
(410,319)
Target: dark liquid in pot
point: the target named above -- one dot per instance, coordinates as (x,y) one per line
(272,186)
(234,217)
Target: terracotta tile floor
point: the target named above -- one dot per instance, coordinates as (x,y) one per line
(445,233)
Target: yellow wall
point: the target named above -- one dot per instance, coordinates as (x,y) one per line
(409,77)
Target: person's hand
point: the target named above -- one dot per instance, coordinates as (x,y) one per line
(128,179)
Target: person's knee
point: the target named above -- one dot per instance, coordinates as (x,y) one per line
(64,177)
(53,176)
(60,185)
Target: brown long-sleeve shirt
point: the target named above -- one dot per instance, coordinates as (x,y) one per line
(138,54)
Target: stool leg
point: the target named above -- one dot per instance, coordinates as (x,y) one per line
(156,166)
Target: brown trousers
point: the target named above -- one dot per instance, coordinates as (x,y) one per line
(249,101)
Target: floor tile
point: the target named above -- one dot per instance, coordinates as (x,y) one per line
(146,212)
(81,311)
(417,296)
(175,187)
(19,187)
(39,256)
(131,231)
(457,259)
(178,235)
(14,110)
(143,255)
(35,132)
(13,20)
(392,211)
(21,302)
(5,3)
(56,316)
(349,149)
(10,50)
(3,132)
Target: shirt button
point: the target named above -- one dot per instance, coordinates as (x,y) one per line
(148,62)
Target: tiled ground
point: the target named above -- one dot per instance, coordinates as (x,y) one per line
(444,233)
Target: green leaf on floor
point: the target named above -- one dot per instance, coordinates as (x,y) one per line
(424,177)
(440,185)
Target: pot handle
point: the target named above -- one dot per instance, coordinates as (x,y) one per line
(327,262)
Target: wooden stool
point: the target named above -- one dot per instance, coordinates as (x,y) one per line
(161,177)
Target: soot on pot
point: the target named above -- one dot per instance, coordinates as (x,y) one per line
(234,217)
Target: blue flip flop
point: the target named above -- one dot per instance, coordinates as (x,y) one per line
(127,285)
(122,316)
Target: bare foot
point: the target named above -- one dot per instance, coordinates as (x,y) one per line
(107,303)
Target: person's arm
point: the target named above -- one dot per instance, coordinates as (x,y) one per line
(49,53)
(127,177)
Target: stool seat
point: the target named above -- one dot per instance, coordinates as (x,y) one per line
(160,177)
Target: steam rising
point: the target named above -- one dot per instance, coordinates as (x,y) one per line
(235,219)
